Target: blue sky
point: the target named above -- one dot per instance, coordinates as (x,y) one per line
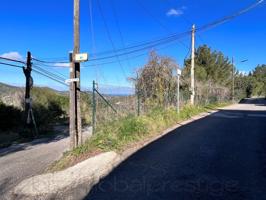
(45,28)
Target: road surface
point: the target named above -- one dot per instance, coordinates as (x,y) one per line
(21,161)
(222,156)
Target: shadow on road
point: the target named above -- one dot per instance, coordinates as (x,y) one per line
(62,133)
(257,101)
(221,156)
(20,147)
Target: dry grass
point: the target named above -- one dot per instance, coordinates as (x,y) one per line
(127,132)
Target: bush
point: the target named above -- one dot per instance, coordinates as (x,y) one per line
(46,116)
(10,117)
(131,128)
(13,119)
(249,91)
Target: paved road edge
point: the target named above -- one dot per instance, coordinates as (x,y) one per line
(76,182)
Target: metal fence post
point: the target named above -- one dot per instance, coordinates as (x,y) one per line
(138,96)
(93,108)
(138,103)
(179,72)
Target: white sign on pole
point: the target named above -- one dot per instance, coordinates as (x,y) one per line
(179,72)
(72,80)
(81,57)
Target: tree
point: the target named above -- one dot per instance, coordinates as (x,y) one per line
(259,80)
(249,90)
(213,74)
(156,83)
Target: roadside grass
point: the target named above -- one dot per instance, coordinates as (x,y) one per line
(123,133)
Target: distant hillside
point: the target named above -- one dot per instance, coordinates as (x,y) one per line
(44,98)
(13,95)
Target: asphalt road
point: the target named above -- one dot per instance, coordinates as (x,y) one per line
(22,161)
(222,156)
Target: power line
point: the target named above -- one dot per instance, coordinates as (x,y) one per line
(142,46)
(183,17)
(13,60)
(118,27)
(169,40)
(173,37)
(50,73)
(56,73)
(109,36)
(188,53)
(97,69)
(157,20)
(178,36)
(50,62)
(47,76)
(56,58)
(230,17)
(111,62)
(11,65)
(41,73)
(132,57)
(149,44)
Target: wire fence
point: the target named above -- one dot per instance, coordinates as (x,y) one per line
(113,102)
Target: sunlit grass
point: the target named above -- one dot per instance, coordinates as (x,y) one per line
(120,133)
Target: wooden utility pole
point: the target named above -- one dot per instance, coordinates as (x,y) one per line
(75,114)
(29,117)
(27,72)
(192,96)
(233,80)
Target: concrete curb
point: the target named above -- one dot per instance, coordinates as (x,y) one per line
(72,183)
(76,182)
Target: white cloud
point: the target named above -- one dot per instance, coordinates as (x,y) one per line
(175,12)
(13,55)
(62,65)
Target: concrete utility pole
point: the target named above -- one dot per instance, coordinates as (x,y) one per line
(233,80)
(192,96)
(75,115)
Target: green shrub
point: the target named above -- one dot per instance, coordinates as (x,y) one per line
(10,117)
(131,127)
(118,133)
(45,116)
